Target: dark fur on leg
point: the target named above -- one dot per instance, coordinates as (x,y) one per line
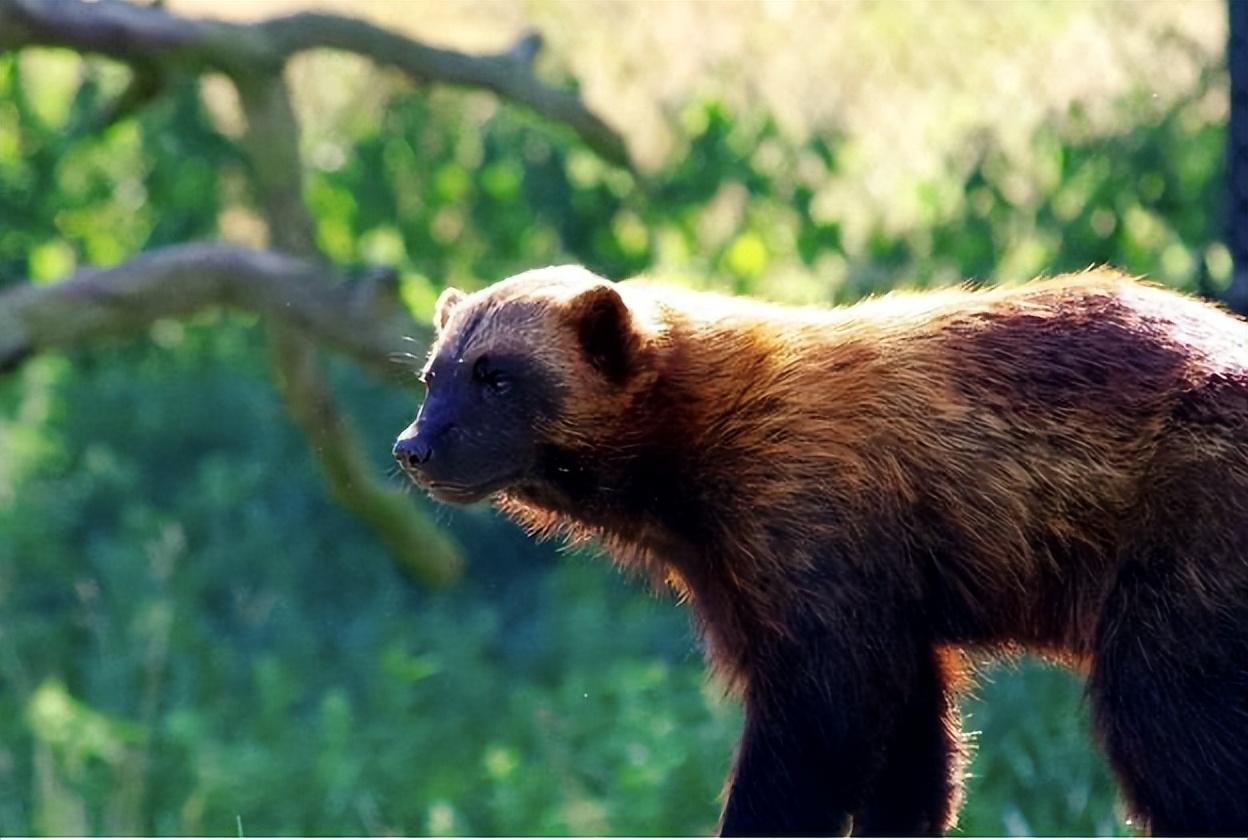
(1169,684)
(815,714)
(1179,745)
(783,784)
(918,791)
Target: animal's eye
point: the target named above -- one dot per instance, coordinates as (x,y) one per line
(486,374)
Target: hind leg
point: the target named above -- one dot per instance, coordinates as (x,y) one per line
(918,790)
(1169,691)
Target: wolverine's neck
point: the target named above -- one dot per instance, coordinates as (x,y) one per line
(678,477)
(688,443)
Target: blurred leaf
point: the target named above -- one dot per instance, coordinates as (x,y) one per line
(76,731)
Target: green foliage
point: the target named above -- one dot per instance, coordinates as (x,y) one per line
(71,196)
(193,638)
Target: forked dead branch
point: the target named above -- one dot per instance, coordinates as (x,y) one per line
(303,301)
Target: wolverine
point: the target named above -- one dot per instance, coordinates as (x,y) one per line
(856,500)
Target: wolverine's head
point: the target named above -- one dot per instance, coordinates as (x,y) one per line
(529,366)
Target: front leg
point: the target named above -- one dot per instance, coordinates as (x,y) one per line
(918,789)
(819,708)
(782,784)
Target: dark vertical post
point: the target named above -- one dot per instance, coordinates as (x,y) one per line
(1237,155)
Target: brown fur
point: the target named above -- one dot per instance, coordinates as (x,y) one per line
(920,472)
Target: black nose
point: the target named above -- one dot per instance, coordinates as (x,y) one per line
(412,452)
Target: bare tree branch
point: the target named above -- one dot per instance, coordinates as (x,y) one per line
(272,143)
(298,299)
(363,320)
(296,311)
(147,82)
(303,297)
(408,532)
(130,32)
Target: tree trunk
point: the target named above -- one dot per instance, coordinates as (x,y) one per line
(1237,156)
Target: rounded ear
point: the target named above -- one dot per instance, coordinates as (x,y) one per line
(446,302)
(605,330)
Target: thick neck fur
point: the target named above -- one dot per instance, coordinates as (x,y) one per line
(670,491)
